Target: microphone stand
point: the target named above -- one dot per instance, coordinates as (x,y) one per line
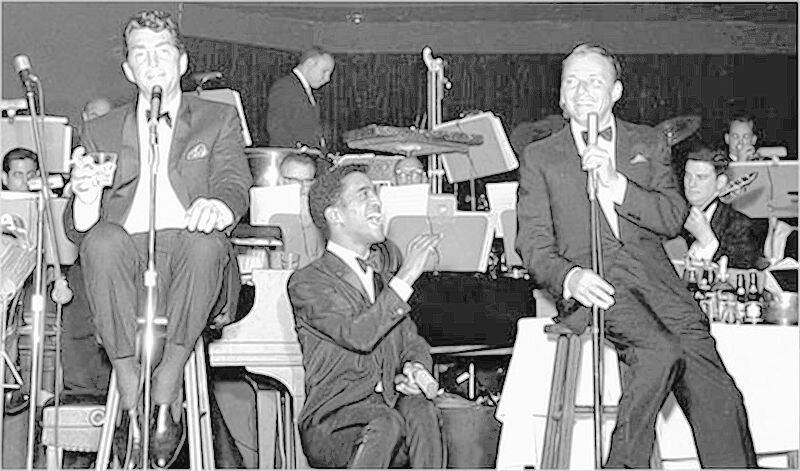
(598,334)
(151,286)
(61,293)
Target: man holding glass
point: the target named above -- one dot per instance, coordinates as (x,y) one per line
(202,182)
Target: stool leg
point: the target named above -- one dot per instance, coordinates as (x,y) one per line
(206,434)
(192,415)
(567,423)
(555,405)
(288,425)
(109,424)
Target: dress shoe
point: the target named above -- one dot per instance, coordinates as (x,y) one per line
(127,442)
(166,437)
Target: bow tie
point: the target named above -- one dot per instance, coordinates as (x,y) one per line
(605,134)
(364,264)
(165,116)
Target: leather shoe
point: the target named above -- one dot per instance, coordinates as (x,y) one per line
(166,437)
(127,442)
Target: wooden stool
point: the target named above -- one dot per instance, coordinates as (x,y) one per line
(198,414)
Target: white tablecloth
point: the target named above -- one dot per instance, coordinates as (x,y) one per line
(763,360)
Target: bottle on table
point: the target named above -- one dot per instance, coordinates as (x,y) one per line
(724,294)
(755,300)
(741,298)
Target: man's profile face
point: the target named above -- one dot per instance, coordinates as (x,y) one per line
(296,172)
(321,70)
(588,84)
(741,140)
(19,172)
(700,182)
(409,171)
(359,210)
(154,59)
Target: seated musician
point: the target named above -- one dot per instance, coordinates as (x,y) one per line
(19,166)
(361,350)
(409,171)
(201,191)
(713,228)
(741,138)
(300,168)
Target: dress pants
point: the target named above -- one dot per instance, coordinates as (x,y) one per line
(370,434)
(190,269)
(663,338)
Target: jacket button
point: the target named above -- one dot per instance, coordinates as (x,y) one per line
(399,310)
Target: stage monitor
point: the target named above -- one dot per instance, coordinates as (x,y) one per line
(56,137)
(774,191)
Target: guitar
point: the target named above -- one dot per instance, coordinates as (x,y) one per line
(734,189)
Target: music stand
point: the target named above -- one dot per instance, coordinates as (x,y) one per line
(57,134)
(230,97)
(774,191)
(23,204)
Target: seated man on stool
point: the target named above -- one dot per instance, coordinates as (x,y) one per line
(714,228)
(202,183)
(361,351)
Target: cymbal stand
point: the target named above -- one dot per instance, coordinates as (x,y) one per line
(61,293)
(437,83)
(151,287)
(598,334)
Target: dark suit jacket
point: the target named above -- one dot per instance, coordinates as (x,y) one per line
(553,212)
(221,172)
(291,118)
(739,237)
(348,343)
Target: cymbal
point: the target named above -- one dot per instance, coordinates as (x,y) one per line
(679,128)
(409,141)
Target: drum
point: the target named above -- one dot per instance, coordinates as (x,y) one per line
(265,163)
(471,433)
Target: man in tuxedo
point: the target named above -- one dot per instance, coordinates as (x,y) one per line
(361,351)
(659,332)
(713,228)
(293,111)
(202,182)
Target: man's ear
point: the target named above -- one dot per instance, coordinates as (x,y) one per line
(753,140)
(183,62)
(722,181)
(616,91)
(332,216)
(126,69)
(4,178)
(727,140)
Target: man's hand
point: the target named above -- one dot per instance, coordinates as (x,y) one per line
(405,384)
(418,252)
(208,214)
(87,178)
(596,159)
(589,289)
(699,226)
(745,151)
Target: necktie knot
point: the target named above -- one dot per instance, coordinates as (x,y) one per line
(165,116)
(605,134)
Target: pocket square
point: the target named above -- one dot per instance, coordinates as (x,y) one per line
(638,159)
(198,151)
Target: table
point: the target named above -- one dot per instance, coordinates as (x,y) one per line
(770,392)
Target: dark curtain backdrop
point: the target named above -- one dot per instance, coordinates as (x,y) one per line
(390,88)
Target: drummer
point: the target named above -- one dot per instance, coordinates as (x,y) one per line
(409,171)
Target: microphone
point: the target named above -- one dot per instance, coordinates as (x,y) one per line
(22,66)
(155,104)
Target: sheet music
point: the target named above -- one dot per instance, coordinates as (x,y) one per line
(404,200)
(266,201)
(501,196)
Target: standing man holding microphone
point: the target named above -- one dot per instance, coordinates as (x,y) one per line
(201,188)
(659,332)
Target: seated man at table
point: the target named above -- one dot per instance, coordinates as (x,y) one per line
(409,171)
(714,228)
(300,169)
(361,351)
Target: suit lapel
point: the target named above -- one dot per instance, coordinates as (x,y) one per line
(337,268)
(129,149)
(180,137)
(624,143)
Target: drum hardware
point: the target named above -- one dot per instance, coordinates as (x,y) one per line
(678,128)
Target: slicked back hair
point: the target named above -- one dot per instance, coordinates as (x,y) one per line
(586,48)
(155,20)
(19,153)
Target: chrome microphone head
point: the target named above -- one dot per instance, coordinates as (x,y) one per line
(21,62)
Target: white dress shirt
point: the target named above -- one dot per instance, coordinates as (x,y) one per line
(306,86)
(349,257)
(170,213)
(700,251)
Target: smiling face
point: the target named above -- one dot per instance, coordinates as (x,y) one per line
(701,182)
(589,84)
(356,220)
(154,59)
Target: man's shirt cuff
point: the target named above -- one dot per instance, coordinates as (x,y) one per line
(85,215)
(704,251)
(403,289)
(567,294)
